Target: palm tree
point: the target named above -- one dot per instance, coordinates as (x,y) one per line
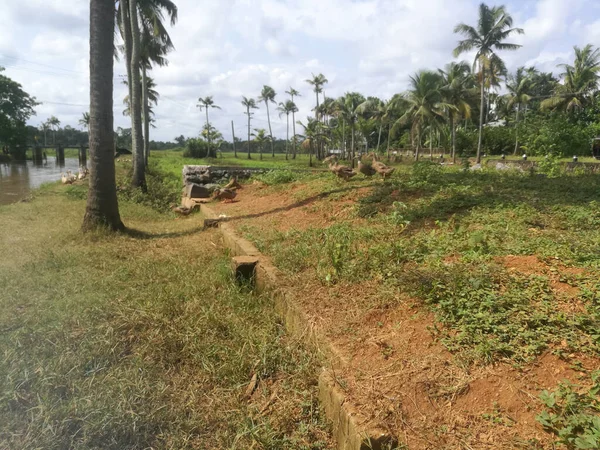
(375,109)
(102,208)
(286,108)
(85,121)
(347,108)
(317,82)
(424,105)
(44,127)
(260,138)
(53,124)
(394,109)
(267,95)
(518,86)
(457,91)
(494,26)
(293,93)
(150,14)
(249,103)
(313,132)
(580,81)
(207,103)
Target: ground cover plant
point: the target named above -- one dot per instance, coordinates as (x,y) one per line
(140,340)
(507,261)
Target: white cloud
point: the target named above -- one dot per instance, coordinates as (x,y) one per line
(232,48)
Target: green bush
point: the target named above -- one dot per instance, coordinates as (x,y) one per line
(273,177)
(466,142)
(198,148)
(426,171)
(162,189)
(498,140)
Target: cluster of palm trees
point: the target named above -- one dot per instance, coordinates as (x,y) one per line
(146,42)
(52,124)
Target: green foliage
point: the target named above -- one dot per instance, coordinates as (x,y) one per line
(163,189)
(551,165)
(274,177)
(498,140)
(198,148)
(466,142)
(16,107)
(573,416)
(426,171)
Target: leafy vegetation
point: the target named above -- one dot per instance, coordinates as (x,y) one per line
(139,340)
(573,414)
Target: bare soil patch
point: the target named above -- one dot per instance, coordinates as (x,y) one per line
(400,376)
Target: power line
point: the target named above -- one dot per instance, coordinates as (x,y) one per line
(41,64)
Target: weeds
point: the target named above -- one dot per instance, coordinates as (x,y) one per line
(573,414)
(275,177)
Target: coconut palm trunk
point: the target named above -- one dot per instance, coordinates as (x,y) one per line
(207,128)
(517,129)
(453,133)
(418,146)
(379,137)
(481,112)
(102,209)
(352,145)
(249,157)
(287,136)
(139,172)
(431,144)
(270,132)
(388,143)
(146,115)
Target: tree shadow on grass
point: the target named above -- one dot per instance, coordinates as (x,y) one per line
(144,235)
(301,203)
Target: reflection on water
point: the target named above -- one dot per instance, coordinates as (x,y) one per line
(17,179)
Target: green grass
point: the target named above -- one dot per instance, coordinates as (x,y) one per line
(172,161)
(485,312)
(139,340)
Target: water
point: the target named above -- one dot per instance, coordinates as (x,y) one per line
(17,179)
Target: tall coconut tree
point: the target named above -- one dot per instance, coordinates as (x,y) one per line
(102,208)
(207,103)
(287,108)
(293,93)
(374,108)
(250,104)
(54,125)
(394,110)
(317,82)
(519,88)
(85,121)
(580,82)
(425,107)
(494,26)
(267,95)
(44,128)
(457,91)
(260,139)
(313,132)
(348,110)
(134,17)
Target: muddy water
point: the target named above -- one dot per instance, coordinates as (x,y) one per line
(17,179)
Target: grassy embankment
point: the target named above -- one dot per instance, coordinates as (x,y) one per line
(444,236)
(139,340)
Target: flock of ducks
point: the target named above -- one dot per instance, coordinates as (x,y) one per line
(368,170)
(70,178)
(226,194)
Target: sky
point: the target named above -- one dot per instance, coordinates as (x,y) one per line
(231,48)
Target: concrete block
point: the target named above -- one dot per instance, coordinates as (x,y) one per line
(244,268)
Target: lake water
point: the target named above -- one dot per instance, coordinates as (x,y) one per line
(17,179)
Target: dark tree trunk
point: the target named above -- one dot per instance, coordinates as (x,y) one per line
(146,116)
(270,131)
(480,139)
(249,157)
(139,168)
(233,136)
(287,137)
(102,209)
(517,129)
(453,131)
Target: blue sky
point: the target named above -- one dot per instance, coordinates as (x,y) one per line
(230,48)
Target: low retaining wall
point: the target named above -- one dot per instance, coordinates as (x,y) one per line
(586,167)
(350,429)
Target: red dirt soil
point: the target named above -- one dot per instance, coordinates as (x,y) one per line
(399,377)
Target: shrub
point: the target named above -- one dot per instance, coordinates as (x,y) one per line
(498,140)
(198,148)
(466,142)
(273,177)
(426,171)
